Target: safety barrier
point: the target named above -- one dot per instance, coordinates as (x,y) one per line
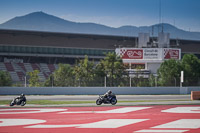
(97,90)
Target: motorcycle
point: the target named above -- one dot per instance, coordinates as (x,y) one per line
(111,99)
(17,101)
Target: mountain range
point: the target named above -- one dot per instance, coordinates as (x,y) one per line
(40,21)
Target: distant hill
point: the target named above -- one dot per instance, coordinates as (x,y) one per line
(40,21)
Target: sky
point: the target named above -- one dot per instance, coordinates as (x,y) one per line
(184,14)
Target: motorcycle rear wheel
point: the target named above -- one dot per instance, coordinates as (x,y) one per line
(98,102)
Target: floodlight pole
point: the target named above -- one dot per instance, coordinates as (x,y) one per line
(156,82)
(105,81)
(52,81)
(25,81)
(180,83)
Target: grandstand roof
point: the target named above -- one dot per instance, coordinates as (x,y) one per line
(52,39)
(71,40)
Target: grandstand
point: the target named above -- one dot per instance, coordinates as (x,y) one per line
(19,70)
(25,51)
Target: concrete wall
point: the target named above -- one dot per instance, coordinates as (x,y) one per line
(96,90)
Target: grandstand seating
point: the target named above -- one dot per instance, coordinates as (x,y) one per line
(51,67)
(2,66)
(28,67)
(9,67)
(19,70)
(14,76)
(35,66)
(22,66)
(21,76)
(41,76)
(16,67)
(44,67)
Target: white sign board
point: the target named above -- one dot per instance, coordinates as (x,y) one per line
(152,54)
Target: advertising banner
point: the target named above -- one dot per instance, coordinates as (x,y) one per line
(171,53)
(149,54)
(131,53)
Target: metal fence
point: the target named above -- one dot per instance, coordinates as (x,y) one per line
(118,82)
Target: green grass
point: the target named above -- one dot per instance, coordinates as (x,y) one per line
(4,102)
(50,102)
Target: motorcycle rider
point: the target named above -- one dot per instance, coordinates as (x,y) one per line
(21,98)
(108,94)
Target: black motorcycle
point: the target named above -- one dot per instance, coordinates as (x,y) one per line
(18,101)
(106,100)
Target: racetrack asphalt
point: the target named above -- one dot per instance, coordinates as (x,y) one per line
(123,100)
(100,119)
(94,97)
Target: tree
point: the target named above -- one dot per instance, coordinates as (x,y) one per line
(169,72)
(34,79)
(191,67)
(63,76)
(49,81)
(5,79)
(84,72)
(100,74)
(152,81)
(113,68)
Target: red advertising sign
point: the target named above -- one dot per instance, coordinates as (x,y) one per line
(132,53)
(171,53)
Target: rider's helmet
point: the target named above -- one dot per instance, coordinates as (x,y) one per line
(109,92)
(22,95)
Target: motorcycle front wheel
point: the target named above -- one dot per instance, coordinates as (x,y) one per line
(11,103)
(98,102)
(113,101)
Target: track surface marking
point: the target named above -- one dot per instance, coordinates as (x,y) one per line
(113,119)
